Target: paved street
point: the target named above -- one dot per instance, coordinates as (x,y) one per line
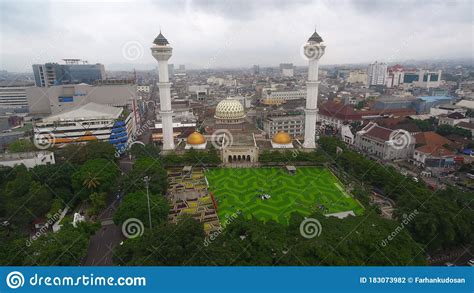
(102,243)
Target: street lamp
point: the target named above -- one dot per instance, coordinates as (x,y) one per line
(146,179)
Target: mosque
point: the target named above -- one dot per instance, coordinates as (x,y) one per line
(237,139)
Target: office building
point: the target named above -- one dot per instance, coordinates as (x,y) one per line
(377,73)
(74,71)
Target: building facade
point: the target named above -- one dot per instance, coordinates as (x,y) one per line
(29,159)
(13,98)
(90,122)
(377,73)
(291,124)
(73,72)
(56,99)
(379,142)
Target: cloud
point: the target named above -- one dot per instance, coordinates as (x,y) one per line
(232,33)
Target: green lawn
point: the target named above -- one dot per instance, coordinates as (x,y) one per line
(309,190)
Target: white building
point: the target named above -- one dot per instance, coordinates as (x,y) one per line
(346,134)
(377,73)
(287,69)
(379,142)
(274,96)
(29,159)
(291,124)
(91,122)
(358,76)
(13,98)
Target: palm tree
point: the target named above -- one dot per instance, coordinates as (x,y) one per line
(91,181)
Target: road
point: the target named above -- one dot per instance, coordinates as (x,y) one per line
(101,245)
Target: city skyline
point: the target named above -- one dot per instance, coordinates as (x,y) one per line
(208,34)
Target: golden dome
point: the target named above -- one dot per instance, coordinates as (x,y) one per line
(196,138)
(282,138)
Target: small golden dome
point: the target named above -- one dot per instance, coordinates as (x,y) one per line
(282,138)
(196,138)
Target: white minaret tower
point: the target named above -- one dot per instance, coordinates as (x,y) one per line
(162,52)
(313,50)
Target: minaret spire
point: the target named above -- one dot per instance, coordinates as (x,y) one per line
(162,52)
(313,50)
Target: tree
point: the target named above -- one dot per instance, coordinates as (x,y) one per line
(80,153)
(21,145)
(98,201)
(445,129)
(64,248)
(153,168)
(166,245)
(135,205)
(97,175)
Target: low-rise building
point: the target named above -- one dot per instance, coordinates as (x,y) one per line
(452,119)
(385,143)
(29,159)
(291,124)
(90,122)
(274,96)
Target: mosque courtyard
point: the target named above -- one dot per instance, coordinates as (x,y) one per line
(274,193)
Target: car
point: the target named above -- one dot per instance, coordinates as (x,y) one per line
(415,179)
(471,262)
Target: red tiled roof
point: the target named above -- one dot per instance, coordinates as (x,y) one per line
(435,150)
(466,125)
(431,138)
(379,132)
(347,112)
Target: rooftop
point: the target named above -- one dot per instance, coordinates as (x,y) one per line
(160,40)
(87,112)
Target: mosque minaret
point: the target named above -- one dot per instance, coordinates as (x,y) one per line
(313,50)
(162,52)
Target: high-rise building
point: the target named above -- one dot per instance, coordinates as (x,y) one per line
(313,49)
(72,72)
(377,73)
(162,52)
(256,69)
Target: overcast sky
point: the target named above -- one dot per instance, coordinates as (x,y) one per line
(222,33)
